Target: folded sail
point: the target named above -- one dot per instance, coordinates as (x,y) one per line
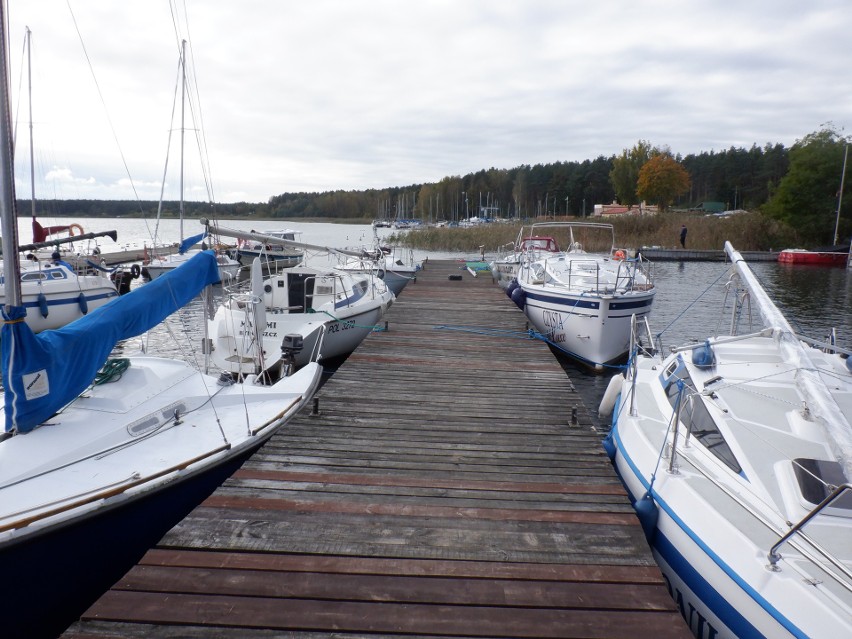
(43,372)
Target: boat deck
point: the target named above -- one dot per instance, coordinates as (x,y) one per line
(447,483)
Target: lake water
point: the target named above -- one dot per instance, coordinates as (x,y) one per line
(687,305)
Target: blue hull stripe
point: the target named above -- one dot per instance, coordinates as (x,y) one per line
(570,303)
(561,301)
(70,300)
(720,607)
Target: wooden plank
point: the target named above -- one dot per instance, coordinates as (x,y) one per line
(380,617)
(450,483)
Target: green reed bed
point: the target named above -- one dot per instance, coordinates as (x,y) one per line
(746,231)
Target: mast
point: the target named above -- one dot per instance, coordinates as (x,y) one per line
(8,213)
(29,35)
(840,195)
(182,125)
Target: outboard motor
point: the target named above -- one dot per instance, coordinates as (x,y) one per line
(291,345)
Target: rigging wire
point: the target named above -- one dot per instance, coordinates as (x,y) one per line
(103,101)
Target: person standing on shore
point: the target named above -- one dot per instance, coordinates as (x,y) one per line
(683,236)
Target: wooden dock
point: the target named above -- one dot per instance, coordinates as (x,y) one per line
(440,488)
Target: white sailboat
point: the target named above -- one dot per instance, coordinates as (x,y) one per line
(395,265)
(159,264)
(53,291)
(299,315)
(737,453)
(100,456)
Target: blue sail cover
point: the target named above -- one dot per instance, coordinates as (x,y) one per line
(189,242)
(43,372)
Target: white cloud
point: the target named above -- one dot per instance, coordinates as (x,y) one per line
(355,94)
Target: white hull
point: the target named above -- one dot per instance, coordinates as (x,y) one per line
(713,602)
(55,296)
(395,273)
(229,269)
(118,437)
(342,309)
(595,330)
(504,271)
(323,338)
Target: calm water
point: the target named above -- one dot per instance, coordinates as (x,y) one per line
(686,308)
(690,296)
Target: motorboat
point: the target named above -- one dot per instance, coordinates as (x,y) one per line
(100,453)
(581,299)
(736,451)
(299,315)
(504,268)
(816,258)
(273,255)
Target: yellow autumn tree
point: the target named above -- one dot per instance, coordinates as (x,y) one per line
(661,180)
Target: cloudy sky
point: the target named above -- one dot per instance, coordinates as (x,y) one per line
(317,95)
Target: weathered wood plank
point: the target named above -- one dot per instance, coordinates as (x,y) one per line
(449,484)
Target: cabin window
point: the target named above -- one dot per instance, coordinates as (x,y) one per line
(817,479)
(33,277)
(697,418)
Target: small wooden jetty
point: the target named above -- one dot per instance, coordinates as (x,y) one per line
(447,483)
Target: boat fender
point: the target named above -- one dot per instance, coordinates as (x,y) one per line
(619,254)
(849,364)
(703,356)
(135,271)
(519,298)
(42,304)
(612,392)
(511,288)
(608,444)
(84,305)
(646,511)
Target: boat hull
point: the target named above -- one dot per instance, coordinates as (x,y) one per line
(592,329)
(818,258)
(66,537)
(324,338)
(229,269)
(72,566)
(504,272)
(65,307)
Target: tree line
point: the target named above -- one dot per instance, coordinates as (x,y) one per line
(796,186)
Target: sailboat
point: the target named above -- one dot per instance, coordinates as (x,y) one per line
(395,265)
(159,264)
(298,315)
(736,451)
(54,293)
(101,455)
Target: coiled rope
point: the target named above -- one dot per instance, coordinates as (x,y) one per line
(111,371)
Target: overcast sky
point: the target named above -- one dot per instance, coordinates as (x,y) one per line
(320,95)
